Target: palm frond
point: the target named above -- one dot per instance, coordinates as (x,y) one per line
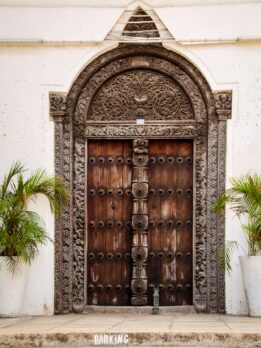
(14,265)
(221,203)
(53,188)
(23,245)
(17,168)
(244,198)
(22,231)
(225,254)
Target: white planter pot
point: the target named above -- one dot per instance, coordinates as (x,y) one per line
(12,289)
(251,271)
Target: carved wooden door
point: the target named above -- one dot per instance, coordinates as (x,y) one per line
(170,209)
(109,222)
(140,221)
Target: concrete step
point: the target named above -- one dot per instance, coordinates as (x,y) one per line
(131,330)
(141,339)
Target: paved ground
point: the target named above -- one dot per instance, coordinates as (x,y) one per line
(172,330)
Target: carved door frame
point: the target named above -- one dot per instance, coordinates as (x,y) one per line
(208,131)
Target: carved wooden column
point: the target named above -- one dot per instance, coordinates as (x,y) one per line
(223,106)
(58,111)
(140,222)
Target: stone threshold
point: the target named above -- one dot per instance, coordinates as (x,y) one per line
(138,309)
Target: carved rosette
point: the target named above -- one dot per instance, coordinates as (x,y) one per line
(140,222)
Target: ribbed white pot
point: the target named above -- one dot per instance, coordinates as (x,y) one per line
(12,289)
(251,271)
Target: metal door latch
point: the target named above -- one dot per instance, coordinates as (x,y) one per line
(155,309)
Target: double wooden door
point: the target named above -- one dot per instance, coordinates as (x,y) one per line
(167,238)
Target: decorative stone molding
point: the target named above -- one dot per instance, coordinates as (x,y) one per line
(63,230)
(57,106)
(71,141)
(223,105)
(133,131)
(57,102)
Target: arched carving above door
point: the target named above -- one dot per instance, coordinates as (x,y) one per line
(181,97)
(140,94)
(175,100)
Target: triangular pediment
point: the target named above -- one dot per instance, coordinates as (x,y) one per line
(140,25)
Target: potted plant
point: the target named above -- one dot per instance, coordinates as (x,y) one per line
(244,198)
(22,231)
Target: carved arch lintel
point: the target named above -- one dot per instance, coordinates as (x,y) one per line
(152,131)
(72,132)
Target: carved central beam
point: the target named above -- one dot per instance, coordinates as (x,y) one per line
(139,282)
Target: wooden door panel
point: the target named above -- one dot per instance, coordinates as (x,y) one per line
(170,221)
(170,211)
(109,214)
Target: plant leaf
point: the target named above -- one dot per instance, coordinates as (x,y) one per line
(225,255)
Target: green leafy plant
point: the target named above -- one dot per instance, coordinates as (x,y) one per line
(244,198)
(22,230)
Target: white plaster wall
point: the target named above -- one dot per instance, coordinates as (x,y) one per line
(27,134)
(29,71)
(84,23)
(236,67)
(216,22)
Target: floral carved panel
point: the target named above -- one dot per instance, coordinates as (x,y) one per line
(118,100)
(162,87)
(140,94)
